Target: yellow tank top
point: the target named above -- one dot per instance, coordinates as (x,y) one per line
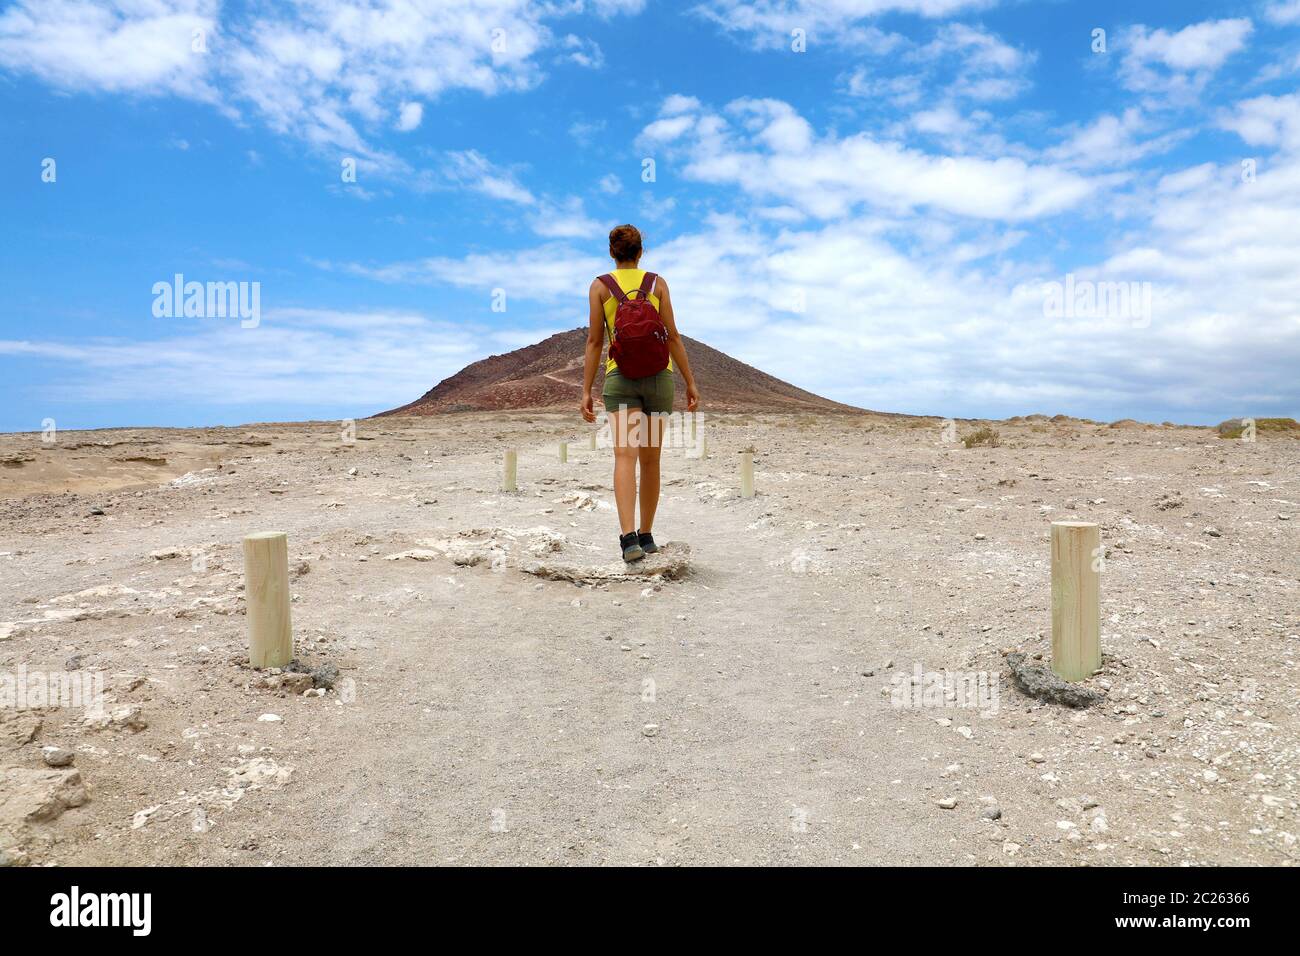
(629,280)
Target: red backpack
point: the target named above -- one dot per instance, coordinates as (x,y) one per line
(640,341)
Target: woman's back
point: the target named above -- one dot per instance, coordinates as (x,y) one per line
(629,280)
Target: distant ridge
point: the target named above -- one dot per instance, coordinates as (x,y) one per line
(549,375)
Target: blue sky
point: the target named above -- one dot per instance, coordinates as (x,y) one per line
(879,216)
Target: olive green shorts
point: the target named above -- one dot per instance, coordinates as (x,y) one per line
(654,393)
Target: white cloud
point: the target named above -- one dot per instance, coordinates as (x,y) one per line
(410,116)
(548,273)
(774,124)
(666,129)
(943,120)
(979,51)
(1179,64)
(940,332)
(656,208)
(1201,46)
(768,23)
(676,103)
(583,52)
(783,214)
(1284,67)
(1266,121)
(365,356)
(471,170)
(959,62)
(777,156)
(125,46)
(565,220)
(1283,12)
(586,133)
(322,72)
(902,91)
(316,72)
(1110,141)
(1194,177)
(610,8)
(548,217)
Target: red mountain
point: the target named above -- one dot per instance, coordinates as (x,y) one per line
(549,375)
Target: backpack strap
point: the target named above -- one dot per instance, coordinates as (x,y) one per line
(615,289)
(648,285)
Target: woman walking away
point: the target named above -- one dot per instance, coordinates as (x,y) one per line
(633,309)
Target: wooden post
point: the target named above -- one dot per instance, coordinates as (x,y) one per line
(704,446)
(266,593)
(1076,599)
(591,441)
(564,452)
(511,472)
(746,474)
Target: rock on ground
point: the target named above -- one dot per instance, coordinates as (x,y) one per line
(38,796)
(671,562)
(1037,681)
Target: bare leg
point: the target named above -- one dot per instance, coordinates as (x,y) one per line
(648,455)
(625,425)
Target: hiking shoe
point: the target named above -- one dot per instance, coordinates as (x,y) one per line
(647,542)
(631,546)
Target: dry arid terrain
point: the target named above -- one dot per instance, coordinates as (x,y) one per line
(483,684)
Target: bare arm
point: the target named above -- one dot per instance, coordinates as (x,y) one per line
(595,343)
(676,347)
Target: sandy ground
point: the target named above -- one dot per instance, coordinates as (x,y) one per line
(484,714)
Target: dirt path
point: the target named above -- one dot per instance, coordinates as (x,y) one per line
(755,755)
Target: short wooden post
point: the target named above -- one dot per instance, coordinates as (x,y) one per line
(591,441)
(266,594)
(746,474)
(511,472)
(1076,599)
(564,452)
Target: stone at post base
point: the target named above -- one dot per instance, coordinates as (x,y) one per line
(1035,681)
